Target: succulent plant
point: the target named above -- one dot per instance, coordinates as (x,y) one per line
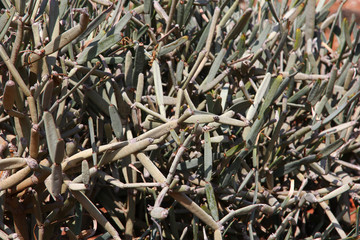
(178,120)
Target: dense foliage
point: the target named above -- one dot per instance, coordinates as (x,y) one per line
(181,119)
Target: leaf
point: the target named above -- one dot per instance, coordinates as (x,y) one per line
(105,42)
(52,134)
(210,197)
(158,87)
(208,161)
(240,25)
(172,46)
(116,121)
(259,96)
(94,24)
(5,21)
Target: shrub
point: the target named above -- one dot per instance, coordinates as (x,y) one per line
(178,120)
